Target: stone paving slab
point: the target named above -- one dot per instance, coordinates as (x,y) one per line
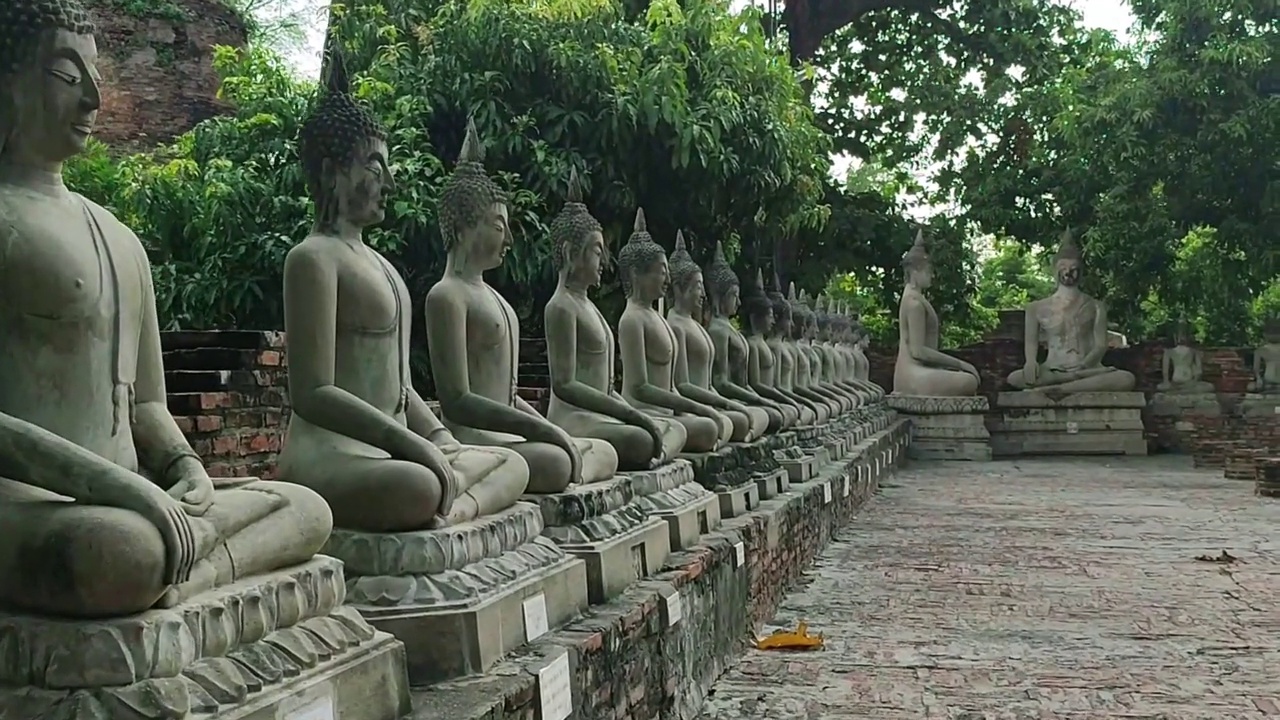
(1055,588)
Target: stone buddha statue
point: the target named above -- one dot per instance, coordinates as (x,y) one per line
(473,336)
(1266,360)
(761,362)
(793,375)
(1182,365)
(808,362)
(730,356)
(580,351)
(648,346)
(105,510)
(921,368)
(1075,328)
(828,345)
(859,341)
(695,351)
(360,435)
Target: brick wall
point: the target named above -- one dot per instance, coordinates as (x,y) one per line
(227,391)
(157,66)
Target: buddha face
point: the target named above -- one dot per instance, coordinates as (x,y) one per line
(362,183)
(782,323)
(730,301)
(55,99)
(921,277)
(490,238)
(650,283)
(763,318)
(690,297)
(588,264)
(1068,271)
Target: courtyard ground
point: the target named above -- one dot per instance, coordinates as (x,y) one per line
(1056,588)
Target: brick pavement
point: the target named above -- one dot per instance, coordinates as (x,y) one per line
(1063,588)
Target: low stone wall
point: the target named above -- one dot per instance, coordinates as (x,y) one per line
(626,662)
(228,393)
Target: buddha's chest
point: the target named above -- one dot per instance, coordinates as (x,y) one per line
(371,296)
(698,345)
(659,343)
(595,337)
(491,322)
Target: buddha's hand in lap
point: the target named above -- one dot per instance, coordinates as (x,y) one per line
(1031,374)
(565,442)
(659,445)
(169,516)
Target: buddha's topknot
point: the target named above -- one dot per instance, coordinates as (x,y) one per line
(572,226)
(468,192)
(754,300)
(333,131)
(640,252)
(682,267)
(719,278)
(23,22)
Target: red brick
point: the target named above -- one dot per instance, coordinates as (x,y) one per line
(208,423)
(215,400)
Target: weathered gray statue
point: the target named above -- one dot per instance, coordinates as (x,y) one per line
(787,357)
(104,508)
(858,341)
(761,363)
(474,340)
(921,368)
(729,369)
(1182,365)
(648,346)
(360,435)
(1074,326)
(695,352)
(1266,359)
(580,351)
(804,327)
(836,362)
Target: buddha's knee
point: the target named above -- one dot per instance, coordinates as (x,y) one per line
(310,519)
(741,425)
(95,562)
(704,433)
(634,447)
(1016,379)
(775,419)
(550,469)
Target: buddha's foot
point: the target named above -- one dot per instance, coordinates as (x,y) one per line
(204,577)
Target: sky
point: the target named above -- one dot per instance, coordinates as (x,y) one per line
(1110,15)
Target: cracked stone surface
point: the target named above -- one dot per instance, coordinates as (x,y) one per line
(1060,588)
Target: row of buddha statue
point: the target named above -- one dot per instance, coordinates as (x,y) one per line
(105,509)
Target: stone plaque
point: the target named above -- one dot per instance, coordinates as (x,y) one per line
(535,617)
(826,492)
(555,689)
(675,607)
(740,554)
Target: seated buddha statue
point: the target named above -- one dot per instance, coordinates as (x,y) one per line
(1266,360)
(1075,328)
(859,341)
(1182,366)
(834,362)
(105,510)
(695,351)
(808,363)
(762,363)
(580,351)
(730,355)
(648,346)
(785,354)
(921,368)
(473,337)
(360,435)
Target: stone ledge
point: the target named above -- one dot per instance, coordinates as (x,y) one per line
(934,405)
(1050,399)
(625,662)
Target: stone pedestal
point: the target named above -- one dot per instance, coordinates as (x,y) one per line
(670,493)
(603,525)
(945,428)
(276,645)
(731,473)
(1175,417)
(456,597)
(1035,422)
(773,484)
(1261,405)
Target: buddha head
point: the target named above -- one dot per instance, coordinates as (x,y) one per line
(577,240)
(1182,332)
(1271,330)
(823,319)
(781,309)
(916,265)
(49,82)
(1068,264)
(756,305)
(722,285)
(686,280)
(473,209)
(643,264)
(343,150)
(801,315)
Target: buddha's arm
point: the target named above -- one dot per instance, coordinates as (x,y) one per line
(913,320)
(721,378)
(754,380)
(680,376)
(1165,362)
(1197,365)
(310,321)
(162,448)
(1094,357)
(421,420)
(1030,337)
(447,341)
(635,373)
(562,356)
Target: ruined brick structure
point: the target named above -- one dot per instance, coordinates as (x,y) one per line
(156,58)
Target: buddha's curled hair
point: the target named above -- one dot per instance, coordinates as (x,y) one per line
(571,227)
(778,302)
(719,277)
(469,192)
(334,130)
